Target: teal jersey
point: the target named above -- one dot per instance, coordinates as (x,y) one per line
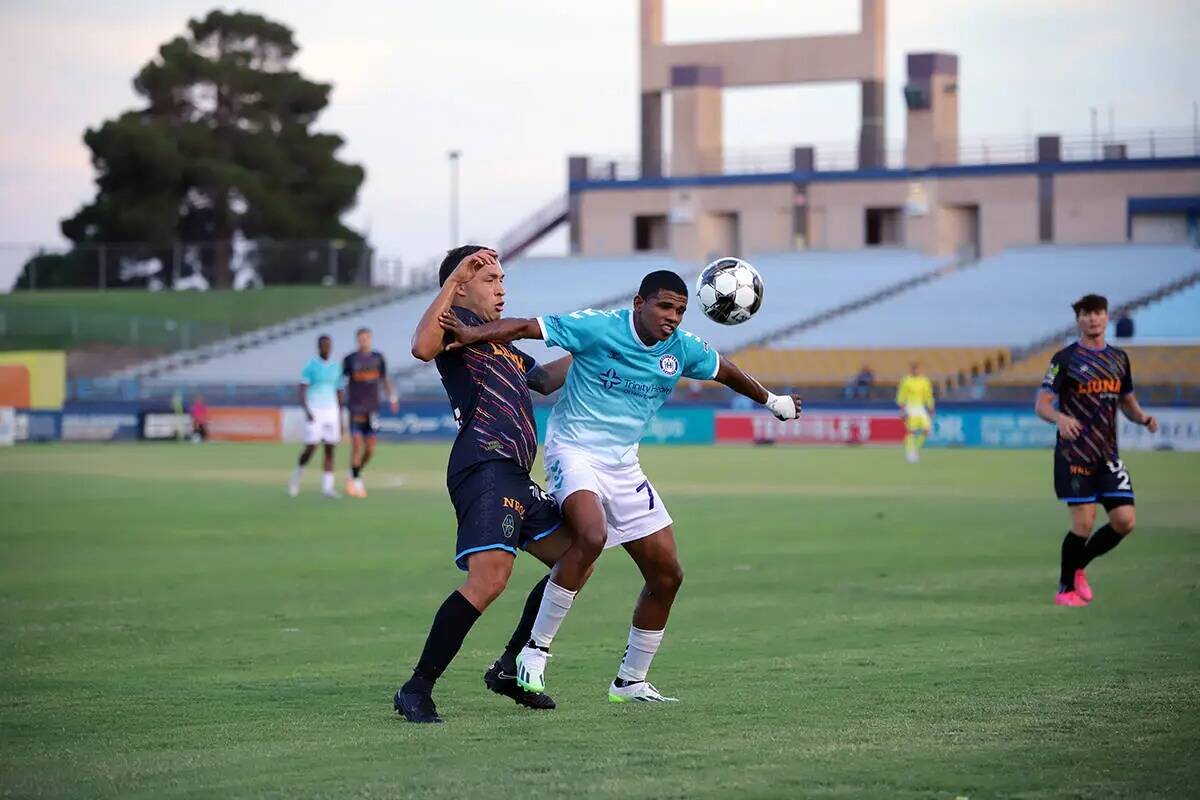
(616,383)
(323,379)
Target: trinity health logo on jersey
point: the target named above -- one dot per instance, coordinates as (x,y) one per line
(669,364)
(610,378)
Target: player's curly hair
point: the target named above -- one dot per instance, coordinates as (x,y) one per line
(661,279)
(453,257)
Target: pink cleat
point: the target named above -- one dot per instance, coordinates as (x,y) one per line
(1069,599)
(1081,586)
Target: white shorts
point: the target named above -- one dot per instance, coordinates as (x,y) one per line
(632,506)
(325,427)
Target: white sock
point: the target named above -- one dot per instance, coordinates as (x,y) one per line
(296,475)
(327,482)
(638,654)
(556,602)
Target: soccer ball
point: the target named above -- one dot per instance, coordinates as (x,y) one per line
(730,291)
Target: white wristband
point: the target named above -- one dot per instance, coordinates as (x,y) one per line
(782,406)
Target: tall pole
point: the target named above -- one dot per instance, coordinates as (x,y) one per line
(454,156)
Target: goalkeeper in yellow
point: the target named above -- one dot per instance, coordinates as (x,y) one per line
(915,398)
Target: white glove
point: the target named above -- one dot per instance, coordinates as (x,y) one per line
(782,406)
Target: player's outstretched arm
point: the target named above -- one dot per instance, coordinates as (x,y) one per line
(501,330)
(549,378)
(782,406)
(428,338)
(1134,412)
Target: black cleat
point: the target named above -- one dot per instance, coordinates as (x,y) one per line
(416,706)
(505,684)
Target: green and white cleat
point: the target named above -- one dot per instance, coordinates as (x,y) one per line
(640,692)
(531,668)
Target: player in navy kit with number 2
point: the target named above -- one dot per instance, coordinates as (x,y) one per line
(1090,380)
(364,370)
(500,509)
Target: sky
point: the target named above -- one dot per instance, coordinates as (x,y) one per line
(518,86)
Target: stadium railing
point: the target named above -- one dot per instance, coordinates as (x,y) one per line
(54,327)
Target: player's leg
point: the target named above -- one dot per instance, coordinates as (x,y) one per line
(488,572)
(356,447)
(367,452)
(586,519)
(575,484)
(327,478)
(1115,492)
(1083,518)
(501,677)
(298,472)
(657,557)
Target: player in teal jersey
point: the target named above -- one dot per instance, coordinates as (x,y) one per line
(626,365)
(321,397)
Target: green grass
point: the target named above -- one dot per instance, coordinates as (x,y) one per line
(103,316)
(173,625)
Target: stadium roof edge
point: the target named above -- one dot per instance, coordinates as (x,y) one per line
(839,176)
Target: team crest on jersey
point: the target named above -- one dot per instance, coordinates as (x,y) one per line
(669,364)
(508,526)
(1051,373)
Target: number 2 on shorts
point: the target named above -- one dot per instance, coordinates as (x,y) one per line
(649,490)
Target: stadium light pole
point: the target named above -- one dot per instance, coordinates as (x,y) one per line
(454,156)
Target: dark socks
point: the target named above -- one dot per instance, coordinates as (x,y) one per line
(450,626)
(1101,542)
(508,661)
(1072,552)
(355,471)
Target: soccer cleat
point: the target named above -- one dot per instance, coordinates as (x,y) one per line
(640,692)
(1069,599)
(1082,588)
(531,668)
(500,682)
(331,494)
(360,488)
(293,489)
(415,706)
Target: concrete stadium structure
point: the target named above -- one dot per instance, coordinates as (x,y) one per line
(938,199)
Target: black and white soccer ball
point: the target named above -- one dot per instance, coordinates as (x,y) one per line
(730,291)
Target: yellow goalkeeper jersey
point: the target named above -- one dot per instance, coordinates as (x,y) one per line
(915,390)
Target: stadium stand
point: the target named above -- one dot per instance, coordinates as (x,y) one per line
(1152,364)
(1012,299)
(833,367)
(1174,317)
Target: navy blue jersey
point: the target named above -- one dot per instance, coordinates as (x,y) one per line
(1089,384)
(486,385)
(363,373)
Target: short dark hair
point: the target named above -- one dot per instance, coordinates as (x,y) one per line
(1090,302)
(361,331)
(453,257)
(662,279)
(324,336)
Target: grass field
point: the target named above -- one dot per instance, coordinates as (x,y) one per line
(173,625)
(103,316)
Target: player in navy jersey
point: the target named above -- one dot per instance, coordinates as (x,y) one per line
(500,509)
(364,371)
(1088,381)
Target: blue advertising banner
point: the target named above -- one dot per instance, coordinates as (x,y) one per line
(417,421)
(991,427)
(38,426)
(100,426)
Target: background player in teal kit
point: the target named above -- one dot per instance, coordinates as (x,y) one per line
(626,364)
(321,398)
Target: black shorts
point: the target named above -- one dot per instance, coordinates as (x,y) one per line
(499,507)
(365,424)
(1104,482)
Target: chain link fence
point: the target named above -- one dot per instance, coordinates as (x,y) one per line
(237,264)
